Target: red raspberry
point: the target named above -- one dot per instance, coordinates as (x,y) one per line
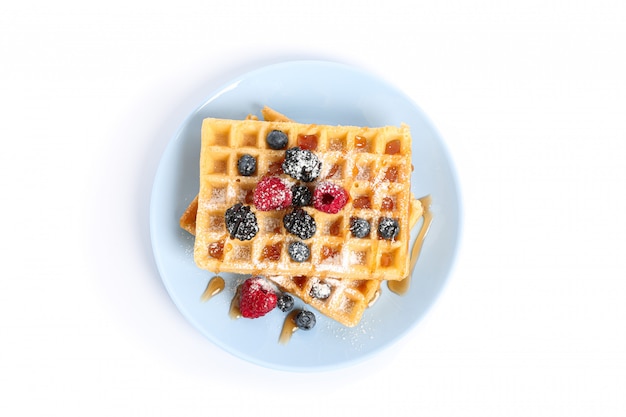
(257,298)
(329,198)
(271,193)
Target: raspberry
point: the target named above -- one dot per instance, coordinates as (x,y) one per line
(271,193)
(257,298)
(241,222)
(329,198)
(302,164)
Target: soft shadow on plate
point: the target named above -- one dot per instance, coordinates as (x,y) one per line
(309,92)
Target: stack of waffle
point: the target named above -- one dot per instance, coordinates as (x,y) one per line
(372,164)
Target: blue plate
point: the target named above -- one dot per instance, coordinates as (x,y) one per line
(308,92)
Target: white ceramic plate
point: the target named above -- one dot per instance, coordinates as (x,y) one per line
(308,92)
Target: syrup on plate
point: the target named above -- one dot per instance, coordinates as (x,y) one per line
(401,287)
(214,287)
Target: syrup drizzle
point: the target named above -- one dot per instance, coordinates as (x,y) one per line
(289,328)
(402,286)
(234,312)
(214,287)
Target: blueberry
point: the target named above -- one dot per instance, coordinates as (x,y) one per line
(320,290)
(241,222)
(388,228)
(359,227)
(299,251)
(305,320)
(301,196)
(302,164)
(285,302)
(276,139)
(246,165)
(300,223)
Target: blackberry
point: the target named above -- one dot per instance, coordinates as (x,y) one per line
(305,320)
(299,251)
(359,227)
(300,223)
(276,139)
(241,222)
(246,165)
(302,164)
(285,302)
(388,228)
(301,196)
(320,290)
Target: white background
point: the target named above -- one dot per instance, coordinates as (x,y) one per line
(530,98)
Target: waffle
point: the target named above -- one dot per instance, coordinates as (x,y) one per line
(372,164)
(188,219)
(271,115)
(348,299)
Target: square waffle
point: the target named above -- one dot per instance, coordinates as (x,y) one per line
(372,164)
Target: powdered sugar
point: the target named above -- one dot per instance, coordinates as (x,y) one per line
(320,290)
(302,164)
(357,258)
(272,193)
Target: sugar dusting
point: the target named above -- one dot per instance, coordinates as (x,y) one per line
(272,193)
(363,173)
(302,164)
(271,224)
(320,289)
(218,196)
(242,253)
(356,336)
(357,258)
(261,283)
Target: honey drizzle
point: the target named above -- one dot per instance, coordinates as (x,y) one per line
(289,328)
(402,286)
(234,312)
(214,287)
